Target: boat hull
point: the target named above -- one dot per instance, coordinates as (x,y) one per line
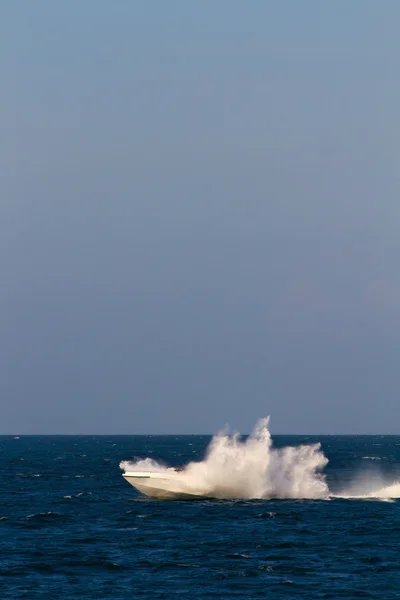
(163,486)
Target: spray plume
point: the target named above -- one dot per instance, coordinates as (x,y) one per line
(251,468)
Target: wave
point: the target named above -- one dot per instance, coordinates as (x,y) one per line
(44,515)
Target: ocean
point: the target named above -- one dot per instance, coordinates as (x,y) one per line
(71,527)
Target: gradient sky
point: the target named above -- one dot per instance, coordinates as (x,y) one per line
(200,216)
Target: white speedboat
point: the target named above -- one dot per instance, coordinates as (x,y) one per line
(168,484)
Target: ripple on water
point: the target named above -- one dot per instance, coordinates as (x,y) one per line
(91,536)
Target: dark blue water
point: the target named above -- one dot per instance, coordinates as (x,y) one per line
(71,527)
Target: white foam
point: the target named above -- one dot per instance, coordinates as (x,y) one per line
(373,492)
(251,468)
(148,464)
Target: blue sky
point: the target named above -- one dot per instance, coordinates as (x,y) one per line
(199,216)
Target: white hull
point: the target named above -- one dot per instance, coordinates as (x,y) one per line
(167,485)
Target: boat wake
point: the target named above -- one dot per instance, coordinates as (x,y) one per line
(387,493)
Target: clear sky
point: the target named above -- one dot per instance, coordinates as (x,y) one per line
(200,216)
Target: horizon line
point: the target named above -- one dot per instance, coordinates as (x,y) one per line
(16,435)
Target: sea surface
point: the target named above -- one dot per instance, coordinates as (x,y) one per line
(71,527)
